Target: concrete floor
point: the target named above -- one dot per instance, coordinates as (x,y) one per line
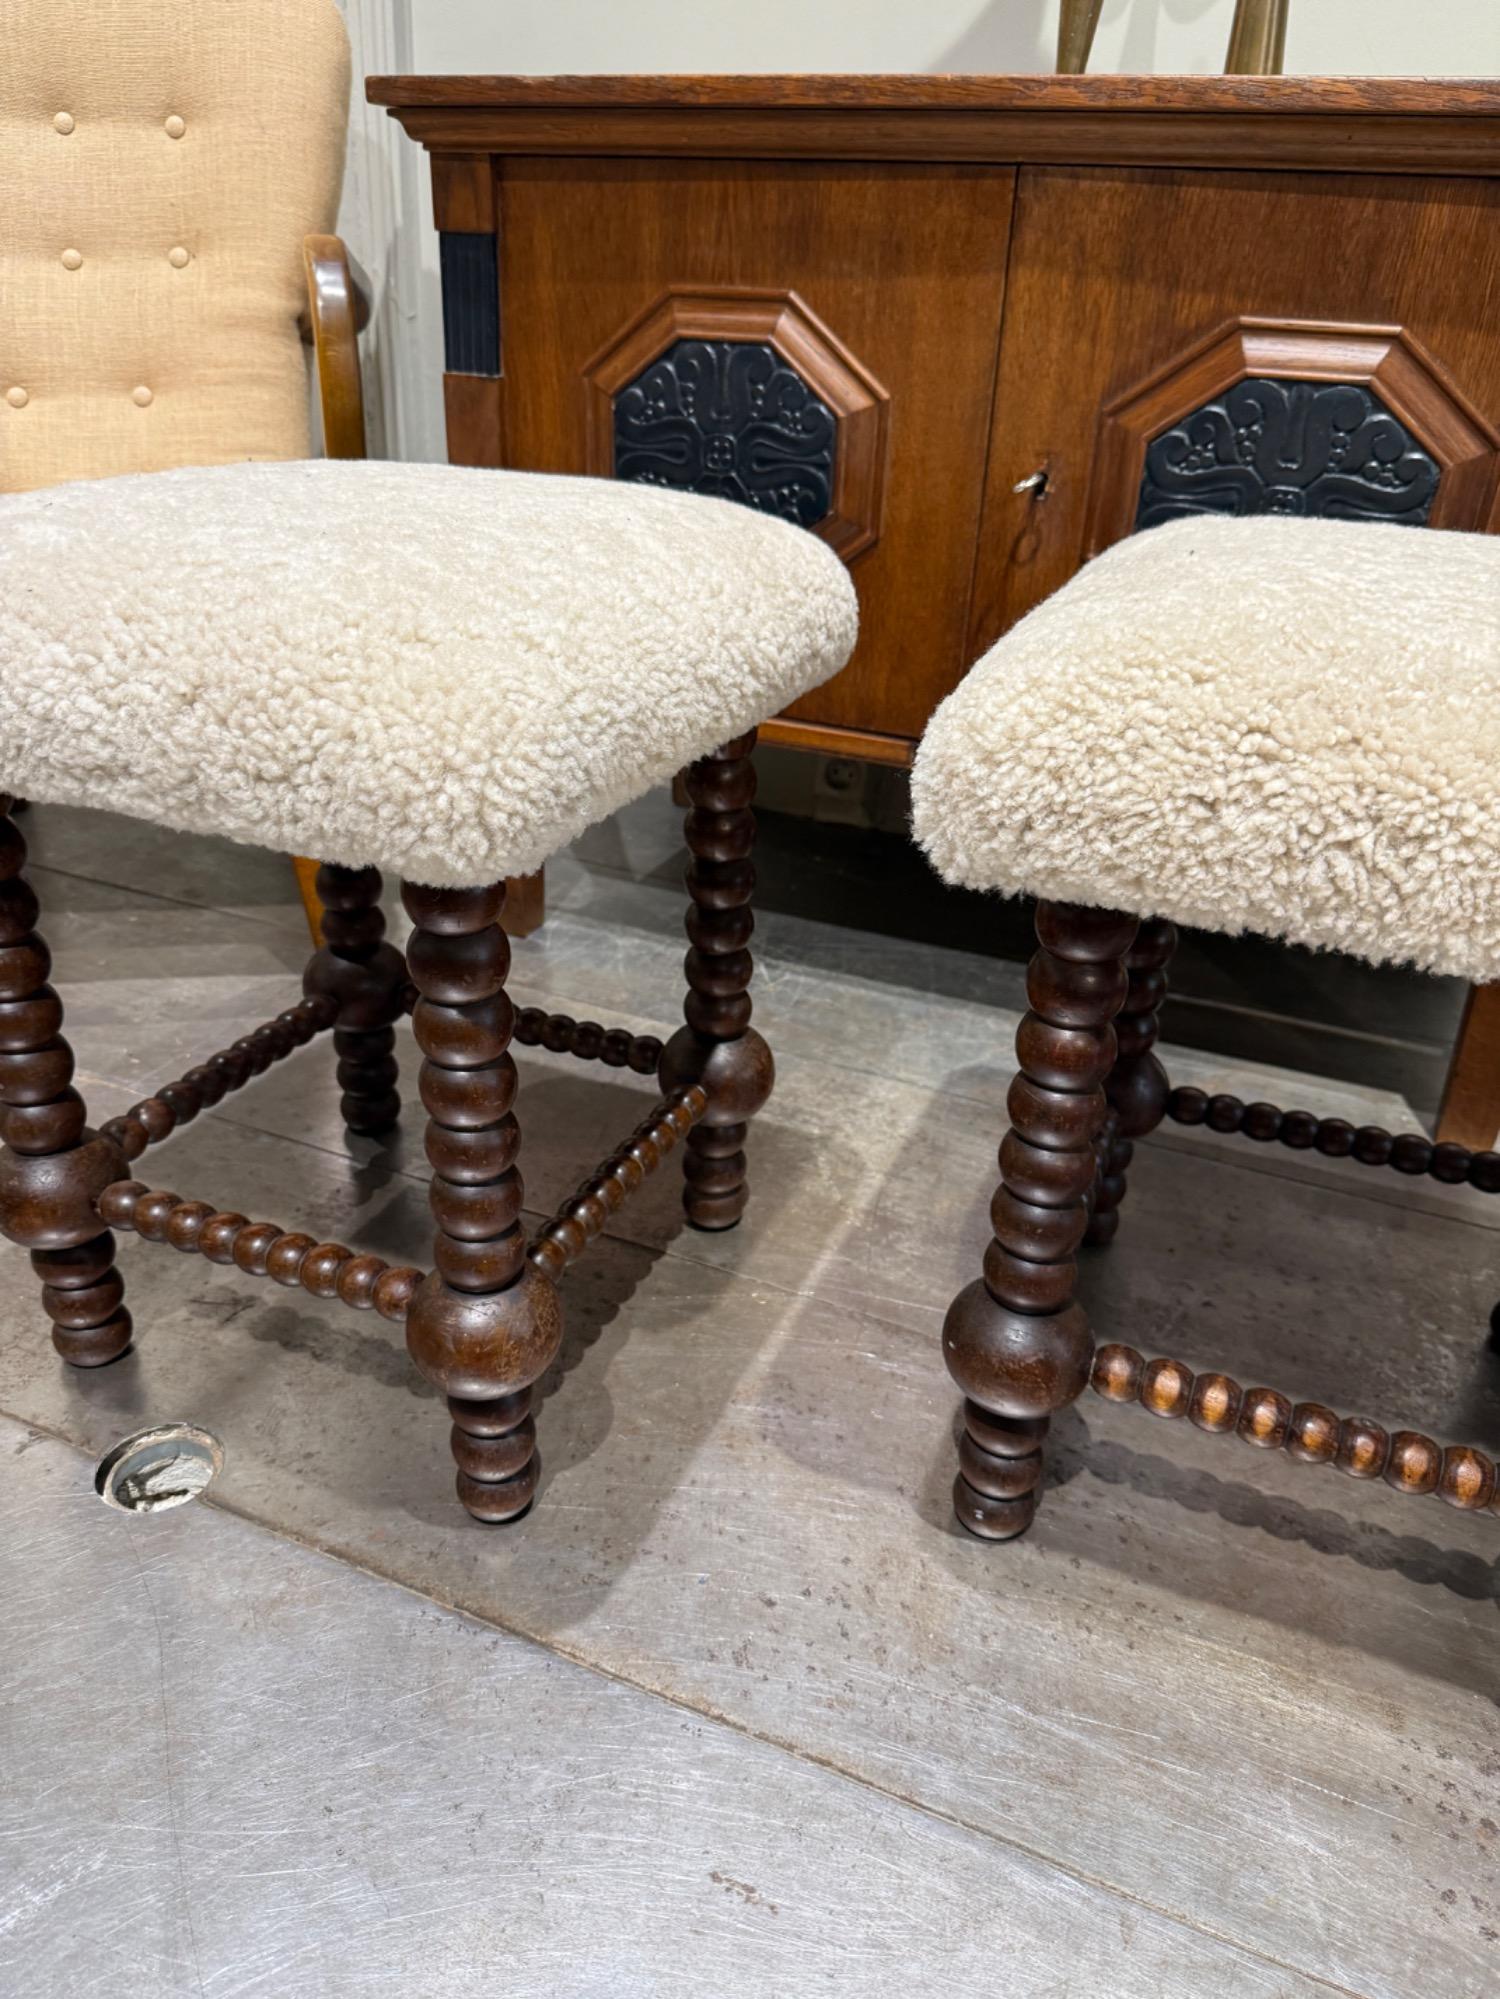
(736,1710)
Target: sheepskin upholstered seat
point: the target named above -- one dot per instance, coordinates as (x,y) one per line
(1287,726)
(442,672)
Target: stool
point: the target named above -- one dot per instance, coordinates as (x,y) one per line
(444,673)
(1281,725)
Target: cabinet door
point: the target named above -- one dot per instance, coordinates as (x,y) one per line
(630,292)
(1180,341)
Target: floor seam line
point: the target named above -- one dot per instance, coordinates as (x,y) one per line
(1037,1855)
(41,867)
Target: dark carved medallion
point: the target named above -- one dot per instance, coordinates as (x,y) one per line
(1278,447)
(729,417)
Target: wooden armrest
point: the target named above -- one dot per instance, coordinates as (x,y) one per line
(333,322)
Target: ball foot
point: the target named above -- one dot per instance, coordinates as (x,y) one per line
(992,1519)
(503,1502)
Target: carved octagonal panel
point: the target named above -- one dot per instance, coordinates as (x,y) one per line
(1288,447)
(1343,422)
(748,396)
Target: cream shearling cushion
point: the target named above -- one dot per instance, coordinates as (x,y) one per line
(1288,726)
(163,160)
(448,673)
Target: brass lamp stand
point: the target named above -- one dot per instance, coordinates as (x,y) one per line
(1257,40)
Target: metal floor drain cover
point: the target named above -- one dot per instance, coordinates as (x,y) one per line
(159,1468)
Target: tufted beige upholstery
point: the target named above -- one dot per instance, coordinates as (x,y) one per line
(163,161)
(1290,726)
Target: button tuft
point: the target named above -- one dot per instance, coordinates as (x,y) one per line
(141,396)
(175,127)
(72,259)
(62,121)
(178,257)
(17,397)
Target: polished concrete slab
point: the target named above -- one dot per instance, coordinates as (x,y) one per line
(235,1767)
(1253,1702)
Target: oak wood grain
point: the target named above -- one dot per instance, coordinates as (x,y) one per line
(463,192)
(333,314)
(864,745)
(1411,385)
(1303,96)
(782,321)
(1335,142)
(1114,274)
(905,265)
(1394,124)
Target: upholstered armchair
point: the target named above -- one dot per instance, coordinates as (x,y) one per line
(175,172)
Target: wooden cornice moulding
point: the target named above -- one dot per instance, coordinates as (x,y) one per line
(1335,124)
(1463,96)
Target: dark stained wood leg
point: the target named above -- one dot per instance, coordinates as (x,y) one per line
(487,1322)
(366,976)
(718,1047)
(1015,1340)
(53,1167)
(1137,1086)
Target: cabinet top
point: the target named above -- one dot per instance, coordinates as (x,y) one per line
(1337,124)
(1402,96)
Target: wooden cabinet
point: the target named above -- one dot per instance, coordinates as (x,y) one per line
(973,329)
(1137,298)
(944,320)
(896,272)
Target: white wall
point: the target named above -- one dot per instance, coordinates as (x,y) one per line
(387,211)
(1339,37)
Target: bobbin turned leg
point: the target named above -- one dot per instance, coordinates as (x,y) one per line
(718,1047)
(53,1167)
(1136,1087)
(1015,1341)
(486,1323)
(356,967)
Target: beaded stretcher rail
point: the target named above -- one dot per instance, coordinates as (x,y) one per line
(1018,1341)
(484,1324)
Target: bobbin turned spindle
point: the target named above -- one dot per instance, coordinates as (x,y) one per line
(365,978)
(1015,1341)
(53,1168)
(1152,739)
(414,671)
(718,1047)
(1136,1087)
(486,1322)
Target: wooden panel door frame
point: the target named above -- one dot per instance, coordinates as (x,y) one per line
(787,324)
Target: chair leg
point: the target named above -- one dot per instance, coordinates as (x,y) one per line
(53,1168)
(1137,1086)
(1015,1340)
(525,903)
(718,1047)
(366,976)
(486,1323)
(1470,1111)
